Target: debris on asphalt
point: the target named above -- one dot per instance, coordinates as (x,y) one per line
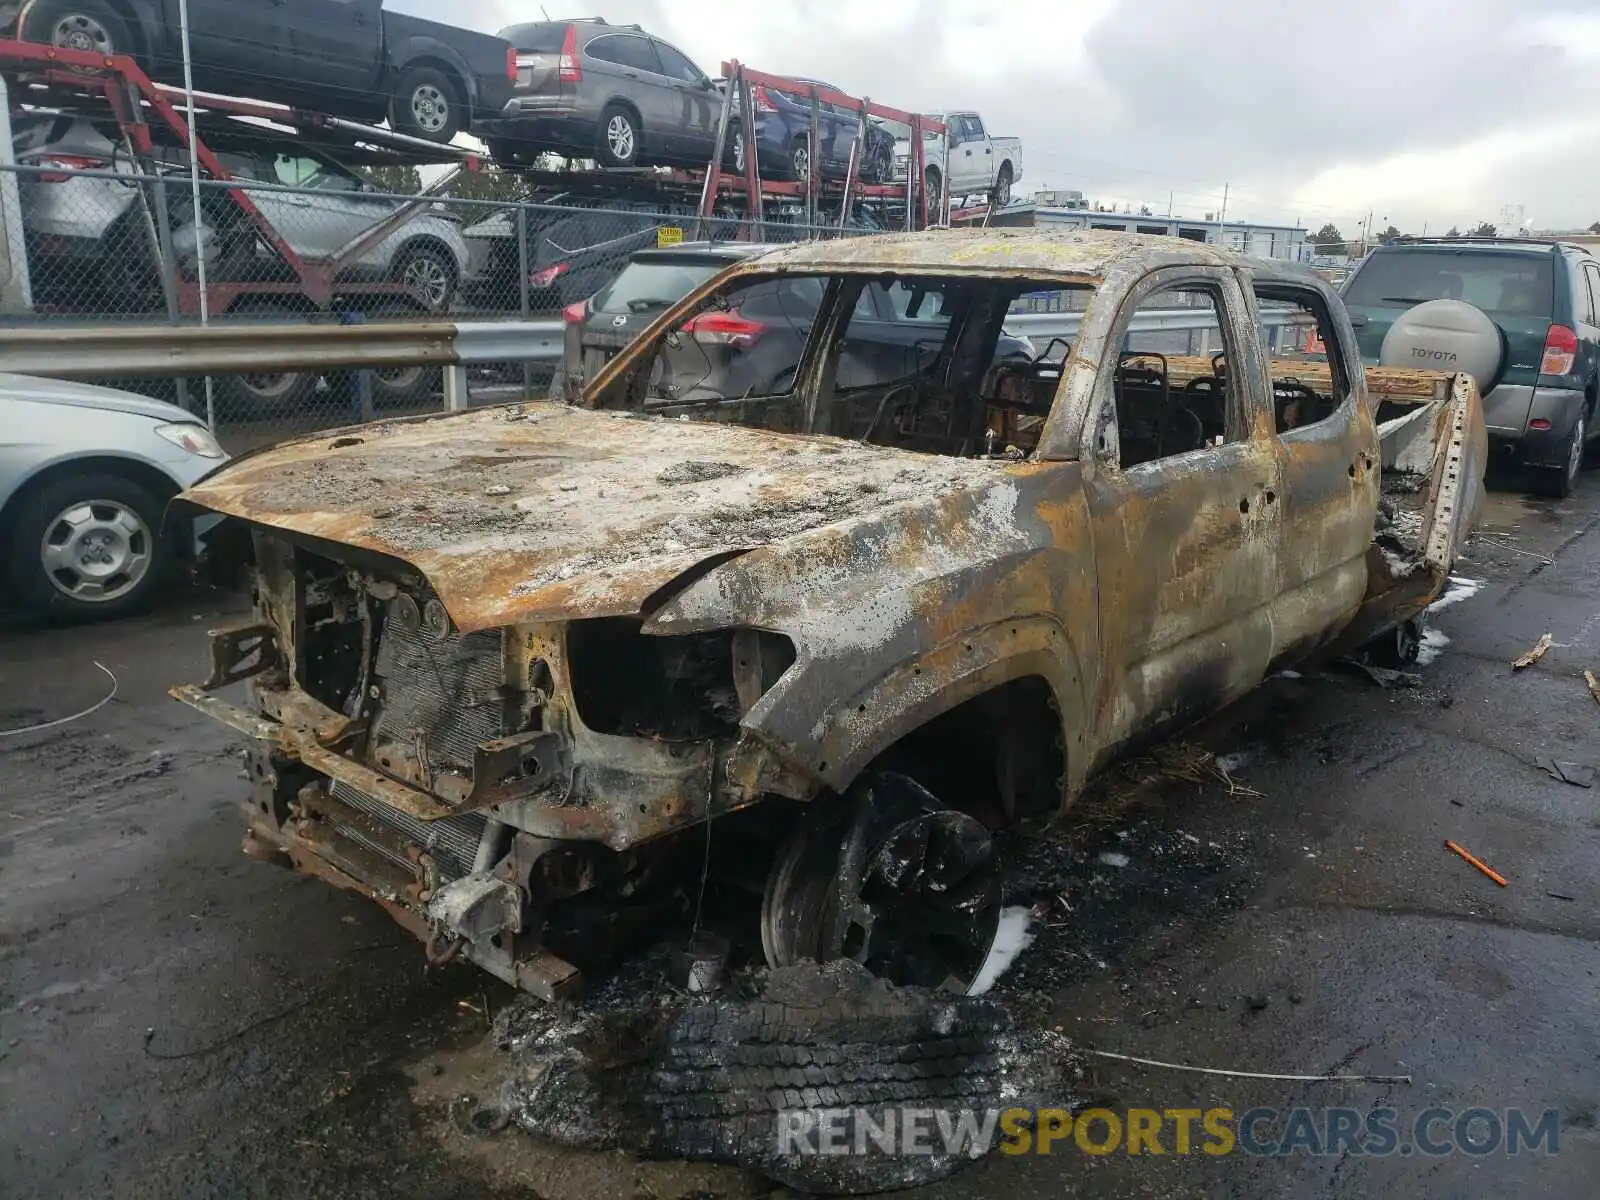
(1152,1062)
(497,489)
(1561,896)
(1473,861)
(1535,654)
(1384,677)
(1577,774)
(737,1079)
(1594,685)
(77,716)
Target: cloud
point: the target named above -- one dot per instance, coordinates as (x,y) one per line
(1419,110)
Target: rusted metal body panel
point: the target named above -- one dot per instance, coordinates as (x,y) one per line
(509,641)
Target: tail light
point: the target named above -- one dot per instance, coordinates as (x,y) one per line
(66,162)
(548,276)
(511,63)
(1560,351)
(724,329)
(761,100)
(571,70)
(576,314)
(1539,423)
(1314,343)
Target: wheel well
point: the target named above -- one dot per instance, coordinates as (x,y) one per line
(998,755)
(427,241)
(449,71)
(624,102)
(130,19)
(159,485)
(1005,169)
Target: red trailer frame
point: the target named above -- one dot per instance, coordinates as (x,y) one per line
(751,186)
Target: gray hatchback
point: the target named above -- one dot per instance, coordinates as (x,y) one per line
(609,92)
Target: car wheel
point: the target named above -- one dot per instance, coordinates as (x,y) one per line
(425,105)
(933,190)
(1558,482)
(88,25)
(800,160)
(1002,187)
(429,272)
(392,386)
(736,149)
(619,137)
(88,547)
(266,394)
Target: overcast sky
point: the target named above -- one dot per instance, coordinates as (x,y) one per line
(1418,111)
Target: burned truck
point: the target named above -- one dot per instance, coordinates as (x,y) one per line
(811,592)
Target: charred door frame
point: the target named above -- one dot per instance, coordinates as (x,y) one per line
(1189,543)
(1330,473)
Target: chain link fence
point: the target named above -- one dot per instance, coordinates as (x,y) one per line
(303,240)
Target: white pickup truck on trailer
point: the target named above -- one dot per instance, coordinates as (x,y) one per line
(976,162)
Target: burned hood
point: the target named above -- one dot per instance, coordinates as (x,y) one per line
(542,511)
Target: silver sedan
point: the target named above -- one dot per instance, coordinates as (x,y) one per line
(85,476)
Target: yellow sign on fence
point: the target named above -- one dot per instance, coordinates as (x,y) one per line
(669,235)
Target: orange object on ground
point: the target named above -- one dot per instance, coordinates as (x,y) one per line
(1476,862)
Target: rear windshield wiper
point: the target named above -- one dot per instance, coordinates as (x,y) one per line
(640,306)
(1407,299)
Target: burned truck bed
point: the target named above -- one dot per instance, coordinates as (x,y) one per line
(795,606)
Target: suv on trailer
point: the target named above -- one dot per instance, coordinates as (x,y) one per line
(1522,316)
(609,92)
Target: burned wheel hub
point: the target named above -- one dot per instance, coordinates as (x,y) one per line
(892,879)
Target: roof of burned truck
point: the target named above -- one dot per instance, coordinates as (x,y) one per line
(1088,254)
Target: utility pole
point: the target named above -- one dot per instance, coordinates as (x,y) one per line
(1223,215)
(1169,206)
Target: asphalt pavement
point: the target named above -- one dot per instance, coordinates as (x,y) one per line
(177,1020)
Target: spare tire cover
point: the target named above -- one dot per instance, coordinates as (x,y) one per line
(1445,335)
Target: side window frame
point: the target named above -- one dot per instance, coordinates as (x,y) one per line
(1338,339)
(1591,279)
(1249,411)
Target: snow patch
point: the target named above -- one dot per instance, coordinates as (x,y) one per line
(1459,589)
(1011,938)
(1237,761)
(1433,643)
(1112,859)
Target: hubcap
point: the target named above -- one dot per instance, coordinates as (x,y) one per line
(270,386)
(802,163)
(738,152)
(75,31)
(1003,192)
(96,551)
(619,137)
(427,277)
(430,108)
(1575,454)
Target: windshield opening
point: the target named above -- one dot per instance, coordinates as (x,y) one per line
(919,362)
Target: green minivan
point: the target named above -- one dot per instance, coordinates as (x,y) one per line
(1542,304)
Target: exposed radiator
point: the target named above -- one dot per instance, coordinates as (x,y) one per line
(452,841)
(444,690)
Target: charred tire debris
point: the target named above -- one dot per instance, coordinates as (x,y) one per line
(708,1080)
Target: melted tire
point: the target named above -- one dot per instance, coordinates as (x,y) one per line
(711,1081)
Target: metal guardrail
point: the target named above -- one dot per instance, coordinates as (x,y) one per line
(93,351)
(90,352)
